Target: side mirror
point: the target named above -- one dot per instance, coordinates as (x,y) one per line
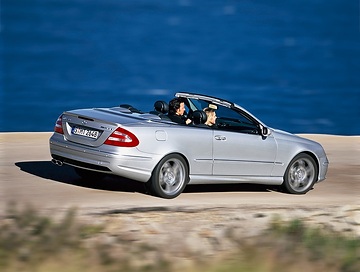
(264,131)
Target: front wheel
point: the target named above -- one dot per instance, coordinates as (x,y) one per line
(169,177)
(300,175)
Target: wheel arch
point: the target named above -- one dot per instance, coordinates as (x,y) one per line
(181,155)
(173,153)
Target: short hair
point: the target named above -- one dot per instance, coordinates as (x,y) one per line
(174,105)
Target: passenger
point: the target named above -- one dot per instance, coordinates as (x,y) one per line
(211,115)
(176,111)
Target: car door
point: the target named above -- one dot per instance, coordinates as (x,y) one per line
(242,154)
(238,147)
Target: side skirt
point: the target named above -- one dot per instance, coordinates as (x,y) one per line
(202,179)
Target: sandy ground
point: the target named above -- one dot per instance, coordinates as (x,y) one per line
(202,224)
(28,177)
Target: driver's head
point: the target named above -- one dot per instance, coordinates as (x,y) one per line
(176,106)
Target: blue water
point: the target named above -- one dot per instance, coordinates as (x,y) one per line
(294,64)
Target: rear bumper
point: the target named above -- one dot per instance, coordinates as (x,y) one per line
(133,166)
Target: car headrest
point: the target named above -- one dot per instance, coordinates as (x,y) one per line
(199,117)
(161,106)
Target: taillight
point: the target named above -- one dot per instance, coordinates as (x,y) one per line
(122,137)
(58,126)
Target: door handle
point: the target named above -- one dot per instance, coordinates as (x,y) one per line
(220,138)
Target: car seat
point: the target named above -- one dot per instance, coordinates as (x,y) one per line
(199,118)
(161,108)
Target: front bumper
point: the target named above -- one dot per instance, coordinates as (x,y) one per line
(323,168)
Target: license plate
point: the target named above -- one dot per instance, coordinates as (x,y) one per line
(94,134)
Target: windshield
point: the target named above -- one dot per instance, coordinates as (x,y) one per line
(197,104)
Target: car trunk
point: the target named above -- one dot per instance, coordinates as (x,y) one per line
(91,127)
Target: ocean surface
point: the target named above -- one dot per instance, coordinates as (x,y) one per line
(293,64)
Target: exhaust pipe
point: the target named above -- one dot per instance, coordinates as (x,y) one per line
(57,162)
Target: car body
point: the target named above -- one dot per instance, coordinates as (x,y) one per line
(150,148)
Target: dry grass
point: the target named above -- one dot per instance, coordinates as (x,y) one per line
(32,242)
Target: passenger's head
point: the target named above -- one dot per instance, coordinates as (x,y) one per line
(211,116)
(176,106)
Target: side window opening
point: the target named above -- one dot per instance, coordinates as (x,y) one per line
(231,120)
(228,119)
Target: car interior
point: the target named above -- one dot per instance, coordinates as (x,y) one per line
(228,119)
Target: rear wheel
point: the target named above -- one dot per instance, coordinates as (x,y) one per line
(169,177)
(300,175)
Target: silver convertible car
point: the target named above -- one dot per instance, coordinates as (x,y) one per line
(166,156)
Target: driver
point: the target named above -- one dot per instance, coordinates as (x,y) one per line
(176,111)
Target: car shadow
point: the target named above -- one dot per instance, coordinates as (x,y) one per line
(238,187)
(66,174)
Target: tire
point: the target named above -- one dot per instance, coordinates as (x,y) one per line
(300,175)
(169,177)
(88,174)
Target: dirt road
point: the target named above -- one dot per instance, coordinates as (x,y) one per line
(28,177)
(202,223)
